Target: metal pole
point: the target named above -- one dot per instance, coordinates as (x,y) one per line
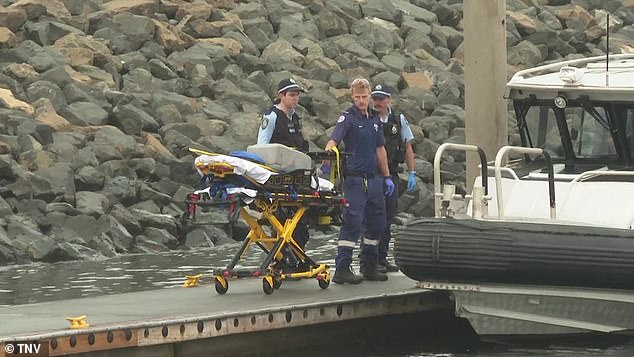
(485,79)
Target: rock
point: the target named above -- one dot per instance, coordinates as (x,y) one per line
(421,80)
(81,49)
(160,221)
(12,18)
(155,149)
(85,113)
(7,100)
(232,46)
(117,233)
(54,8)
(111,143)
(91,203)
(7,38)
(121,189)
(40,58)
(132,120)
(282,51)
(172,39)
(137,7)
(125,217)
(195,10)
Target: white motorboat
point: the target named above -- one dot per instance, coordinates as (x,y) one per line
(544,244)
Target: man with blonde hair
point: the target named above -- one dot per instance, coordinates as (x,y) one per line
(367,181)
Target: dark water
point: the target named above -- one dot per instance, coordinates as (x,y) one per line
(34,283)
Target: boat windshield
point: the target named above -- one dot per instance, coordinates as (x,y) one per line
(580,130)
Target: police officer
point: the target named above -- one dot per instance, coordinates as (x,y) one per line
(281,125)
(398,145)
(367,180)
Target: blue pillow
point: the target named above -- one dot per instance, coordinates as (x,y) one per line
(247,156)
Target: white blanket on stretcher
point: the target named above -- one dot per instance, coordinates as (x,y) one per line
(252,170)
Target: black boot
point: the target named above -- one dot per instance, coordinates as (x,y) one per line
(346,276)
(385,266)
(370,272)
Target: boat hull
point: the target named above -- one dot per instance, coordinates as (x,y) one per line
(514,278)
(479,251)
(515,310)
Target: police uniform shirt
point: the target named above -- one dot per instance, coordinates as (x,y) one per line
(406,132)
(278,128)
(267,127)
(361,136)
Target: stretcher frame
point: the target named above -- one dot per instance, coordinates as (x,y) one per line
(280,241)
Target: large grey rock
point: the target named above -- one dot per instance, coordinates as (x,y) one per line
(132,120)
(85,113)
(60,179)
(121,189)
(126,218)
(46,32)
(92,203)
(525,53)
(122,240)
(161,221)
(40,58)
(111,143)
(89,178)
(48,90)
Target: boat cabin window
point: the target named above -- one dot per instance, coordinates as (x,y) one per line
(543,133)
(585,130)
(629,129)
(589,132)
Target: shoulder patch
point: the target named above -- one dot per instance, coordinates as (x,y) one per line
(341,119)
(264,123)
(404,119)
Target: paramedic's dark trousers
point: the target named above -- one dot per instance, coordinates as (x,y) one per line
(365,203)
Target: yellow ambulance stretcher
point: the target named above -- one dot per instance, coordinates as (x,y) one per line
(256,186)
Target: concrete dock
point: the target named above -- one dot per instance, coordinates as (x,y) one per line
(198,321)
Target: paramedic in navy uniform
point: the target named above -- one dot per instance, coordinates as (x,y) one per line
(280,125)
(367,180)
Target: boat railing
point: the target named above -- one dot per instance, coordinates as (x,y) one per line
(596,173)
(442,198)
(554,67)
(499,159)
(507,170)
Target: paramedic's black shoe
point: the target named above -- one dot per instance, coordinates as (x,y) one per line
(371,273)
(386,267)
(346,276)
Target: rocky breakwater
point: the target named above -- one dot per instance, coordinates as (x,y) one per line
(100,100)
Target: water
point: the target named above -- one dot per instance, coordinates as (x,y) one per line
(39,282)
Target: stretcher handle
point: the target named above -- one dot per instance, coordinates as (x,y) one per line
(326,155)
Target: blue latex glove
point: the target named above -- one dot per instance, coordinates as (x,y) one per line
(389,186)
(411,181)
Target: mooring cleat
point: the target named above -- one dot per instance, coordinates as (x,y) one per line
(77,322)
(192,280)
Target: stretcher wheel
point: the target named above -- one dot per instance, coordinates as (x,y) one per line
(277,283)
(324,284)
(324,280)
(221,283)
(268,285)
